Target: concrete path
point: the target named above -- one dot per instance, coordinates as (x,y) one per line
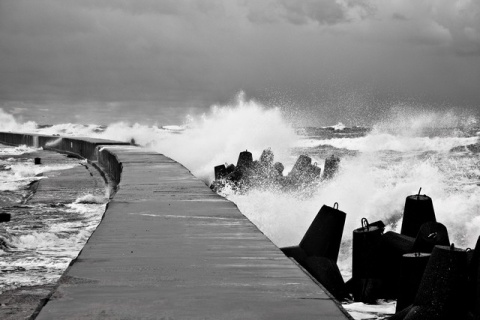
(170,248)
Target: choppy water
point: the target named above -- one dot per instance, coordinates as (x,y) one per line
(45,233)
(380,166)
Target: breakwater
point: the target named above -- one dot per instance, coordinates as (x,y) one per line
(168,247)
(86,148)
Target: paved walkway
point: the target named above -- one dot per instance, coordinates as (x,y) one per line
(170,248)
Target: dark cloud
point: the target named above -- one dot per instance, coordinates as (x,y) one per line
(323,12)
(399,16)
(169,57)
(300,12)
(453,25)
(462,20)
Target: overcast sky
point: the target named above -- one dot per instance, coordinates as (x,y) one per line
(325,60)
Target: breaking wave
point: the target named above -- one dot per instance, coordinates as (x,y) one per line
(379,167)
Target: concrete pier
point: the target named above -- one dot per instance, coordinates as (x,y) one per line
(170,248)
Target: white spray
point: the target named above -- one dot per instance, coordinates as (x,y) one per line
(392,162)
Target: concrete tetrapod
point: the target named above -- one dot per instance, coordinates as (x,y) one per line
(392,248)
(418,210)
(296,253)
(324,235)
(411,272)
(442,294)
(220,171)
(395,246)
(474,282)
(323,269)
(476,302)
(319,248)
(331,166)
(400,315)
(366,242)
(245,160)
(266,158)
(303,170)
(327,273)
(366,261)
(430,235)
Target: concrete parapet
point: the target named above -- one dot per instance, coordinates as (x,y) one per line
(16,139)
(110,163)
(83,147)
(86,148)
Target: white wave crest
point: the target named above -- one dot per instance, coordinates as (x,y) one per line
(71,129)
(90,199)
(16,151)
(371,184)
(338,127)
(23,173)
(173,128)
(9,123)
(388,142)
(216,137)
(53,143)
(407,120)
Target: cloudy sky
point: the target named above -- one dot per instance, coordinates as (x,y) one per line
(324,60)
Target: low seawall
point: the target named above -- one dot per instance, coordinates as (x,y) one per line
(170,248)
(87,148)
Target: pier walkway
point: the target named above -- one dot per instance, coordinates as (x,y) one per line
(170,248)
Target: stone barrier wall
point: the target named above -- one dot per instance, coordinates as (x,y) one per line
(87,148)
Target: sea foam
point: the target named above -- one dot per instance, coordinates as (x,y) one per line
(216,137)
(403,152)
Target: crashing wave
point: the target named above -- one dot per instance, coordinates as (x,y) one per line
(265,173)
(91,199)
(173,128)
(338,127)
(474,148)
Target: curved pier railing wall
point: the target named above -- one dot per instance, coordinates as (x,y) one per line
(87,148)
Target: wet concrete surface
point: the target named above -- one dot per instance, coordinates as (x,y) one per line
(23,302)
(170,248)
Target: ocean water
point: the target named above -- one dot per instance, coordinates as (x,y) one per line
(46,231)
(381,164)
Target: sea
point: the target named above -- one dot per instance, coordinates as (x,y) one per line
(52,214)
(381,164)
